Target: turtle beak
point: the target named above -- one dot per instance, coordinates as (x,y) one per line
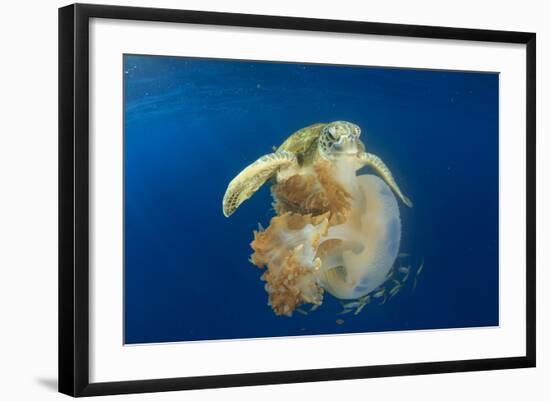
(346,144)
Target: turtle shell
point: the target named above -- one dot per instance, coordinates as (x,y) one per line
(302,140)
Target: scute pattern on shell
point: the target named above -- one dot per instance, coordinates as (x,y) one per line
(301,141)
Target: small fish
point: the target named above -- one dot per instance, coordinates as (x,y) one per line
(395,290)
(384,300)
(345,311)
(379,293)
(303,312)
(353,304)
(420,268)
(314,307)
(397,282)
(339,321)
(404,269)
(403,255)
(260,227)
(358,310)
(365,300)
(414,284)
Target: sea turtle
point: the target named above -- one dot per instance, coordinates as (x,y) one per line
(327,141)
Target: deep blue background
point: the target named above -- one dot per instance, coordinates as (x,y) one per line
(191,125)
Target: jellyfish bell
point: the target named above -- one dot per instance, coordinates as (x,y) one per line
(367,243)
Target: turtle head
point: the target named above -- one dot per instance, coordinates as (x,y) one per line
(339,138)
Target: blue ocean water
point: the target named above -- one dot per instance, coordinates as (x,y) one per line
(192,124)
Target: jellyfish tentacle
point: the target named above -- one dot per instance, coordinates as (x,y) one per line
(369,159)
(248,181)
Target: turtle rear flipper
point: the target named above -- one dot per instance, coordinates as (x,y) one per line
(247,182)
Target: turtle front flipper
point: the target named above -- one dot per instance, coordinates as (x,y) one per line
(377,164)
(247,182)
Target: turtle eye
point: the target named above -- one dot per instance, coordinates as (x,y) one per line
(357,131)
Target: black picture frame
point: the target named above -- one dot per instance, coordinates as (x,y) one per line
(74,194)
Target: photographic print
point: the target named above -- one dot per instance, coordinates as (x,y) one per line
(272,199)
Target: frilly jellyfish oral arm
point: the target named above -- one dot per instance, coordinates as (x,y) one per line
(380,167)
(248,181)
(287,248)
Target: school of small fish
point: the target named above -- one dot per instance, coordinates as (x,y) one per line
(396,280)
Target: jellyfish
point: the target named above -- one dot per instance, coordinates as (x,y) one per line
(334,231)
